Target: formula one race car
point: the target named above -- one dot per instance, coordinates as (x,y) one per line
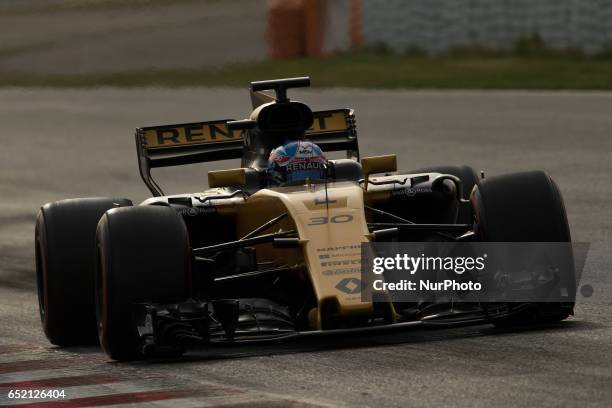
(261,257)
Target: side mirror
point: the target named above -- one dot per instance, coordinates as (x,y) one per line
(226,178)
(378,164)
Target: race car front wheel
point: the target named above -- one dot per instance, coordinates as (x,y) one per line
(143,255)
(64,246)
(524,207)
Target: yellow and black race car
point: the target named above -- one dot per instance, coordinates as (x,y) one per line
(275,249)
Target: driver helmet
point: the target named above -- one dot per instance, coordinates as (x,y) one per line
(296,161)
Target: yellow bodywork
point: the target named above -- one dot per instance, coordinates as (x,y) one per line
(331,229)
(330,221)
(224,178)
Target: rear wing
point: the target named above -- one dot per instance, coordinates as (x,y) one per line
(199,142)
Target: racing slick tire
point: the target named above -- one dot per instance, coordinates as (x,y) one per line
(468,178)
(64,240)
(143,255)
(524,207)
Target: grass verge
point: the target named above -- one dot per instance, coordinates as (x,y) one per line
(363,70)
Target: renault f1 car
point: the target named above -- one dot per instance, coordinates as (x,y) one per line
(246,261)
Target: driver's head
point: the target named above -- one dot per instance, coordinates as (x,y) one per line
(296,161)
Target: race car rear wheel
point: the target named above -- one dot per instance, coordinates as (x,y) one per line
(64,247)
(468,178)
(143,256)
(524,207)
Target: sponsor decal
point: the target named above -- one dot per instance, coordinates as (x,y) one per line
(189,134)
(349,285)
(410,191)
(339,248)
(343,262)
(331,121)
(195,211)
(341,271)
(340,255)
(305,149)
(158,137)
(304,165)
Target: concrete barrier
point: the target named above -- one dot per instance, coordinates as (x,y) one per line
(437,26)
(315,27)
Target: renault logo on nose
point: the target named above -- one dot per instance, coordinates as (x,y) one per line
(349,285)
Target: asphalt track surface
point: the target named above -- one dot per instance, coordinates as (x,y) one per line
(97,36)
(59,144)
